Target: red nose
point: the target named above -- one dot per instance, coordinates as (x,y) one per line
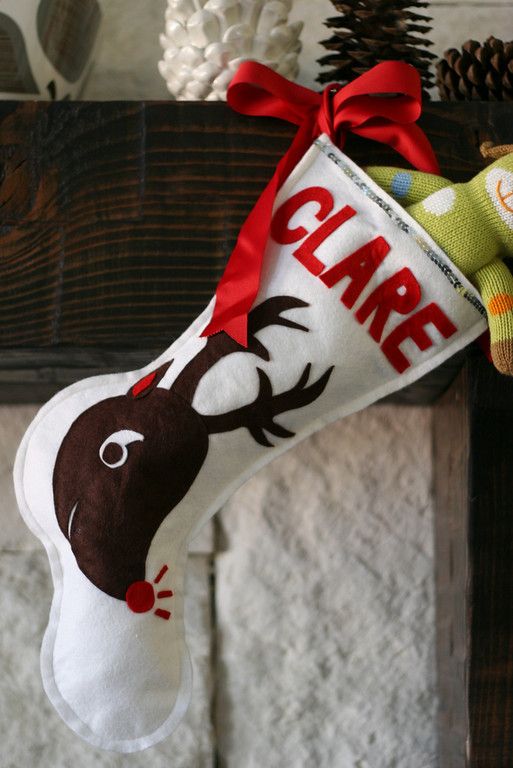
(140,596)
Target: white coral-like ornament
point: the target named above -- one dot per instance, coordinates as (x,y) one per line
(206,40)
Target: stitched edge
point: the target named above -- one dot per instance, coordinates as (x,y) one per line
(400,223)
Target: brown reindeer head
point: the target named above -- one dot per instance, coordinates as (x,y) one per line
(124,462)
(127,461)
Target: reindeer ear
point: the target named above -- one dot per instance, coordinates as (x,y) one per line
(148,383)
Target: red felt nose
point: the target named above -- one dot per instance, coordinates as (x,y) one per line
(140,597)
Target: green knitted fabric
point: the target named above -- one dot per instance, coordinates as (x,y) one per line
(407,187)
(473,223)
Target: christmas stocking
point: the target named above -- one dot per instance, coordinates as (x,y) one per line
(118,472)
(473,223)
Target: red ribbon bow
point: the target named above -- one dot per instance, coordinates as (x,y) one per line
(359,107)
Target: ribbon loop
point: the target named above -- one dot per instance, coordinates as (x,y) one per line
(382,104)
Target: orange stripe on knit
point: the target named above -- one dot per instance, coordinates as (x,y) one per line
(502,198)
(500,303)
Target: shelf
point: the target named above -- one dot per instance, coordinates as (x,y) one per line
(117,218)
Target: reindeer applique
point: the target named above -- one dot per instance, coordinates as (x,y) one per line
(128,460)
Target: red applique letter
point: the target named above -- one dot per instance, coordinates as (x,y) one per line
(413,328)
(306,251)
(400,293)
(280,231)
(359,266)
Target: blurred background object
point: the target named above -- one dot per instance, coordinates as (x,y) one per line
(478,72)
(204,43)
(366,32)
(46,47)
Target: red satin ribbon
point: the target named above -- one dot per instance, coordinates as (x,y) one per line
(360,107)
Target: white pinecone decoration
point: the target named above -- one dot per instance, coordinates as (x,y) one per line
(206,40)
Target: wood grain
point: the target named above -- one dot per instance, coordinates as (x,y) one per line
(451,493)
(116,221)
(473,428)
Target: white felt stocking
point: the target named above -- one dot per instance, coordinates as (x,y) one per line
(118,472)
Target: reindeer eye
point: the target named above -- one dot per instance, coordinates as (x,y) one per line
(113,451)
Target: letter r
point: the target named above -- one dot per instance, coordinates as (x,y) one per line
(413,328)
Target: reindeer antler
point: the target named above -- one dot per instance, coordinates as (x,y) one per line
(258,416)
(220,345)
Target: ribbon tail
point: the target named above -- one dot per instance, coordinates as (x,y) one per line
(236,327)
(238,287)
(240,282)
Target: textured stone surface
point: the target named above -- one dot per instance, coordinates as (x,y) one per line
(325,602)
(31,732)
(14,534)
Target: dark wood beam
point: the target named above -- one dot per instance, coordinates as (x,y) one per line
(473,449)
(116,221)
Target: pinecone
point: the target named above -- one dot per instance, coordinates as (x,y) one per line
(370,31)
(478,72)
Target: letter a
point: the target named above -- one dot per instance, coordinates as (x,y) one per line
(359,267)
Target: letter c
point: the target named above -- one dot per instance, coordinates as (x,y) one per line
(280,231)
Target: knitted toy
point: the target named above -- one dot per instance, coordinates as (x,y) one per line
(473,223)
(117,473)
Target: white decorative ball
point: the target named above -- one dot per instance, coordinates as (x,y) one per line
(205,41)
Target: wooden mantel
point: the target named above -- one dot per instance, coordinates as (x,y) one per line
(116,221)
